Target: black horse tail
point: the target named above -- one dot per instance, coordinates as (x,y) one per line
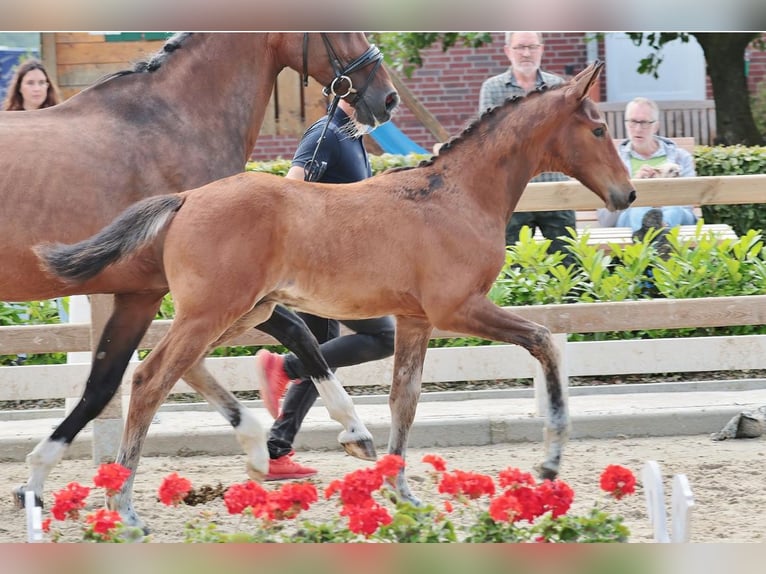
(135,227)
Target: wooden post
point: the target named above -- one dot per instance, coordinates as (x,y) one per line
(107,427)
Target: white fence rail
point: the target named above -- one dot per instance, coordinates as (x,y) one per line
(745,352)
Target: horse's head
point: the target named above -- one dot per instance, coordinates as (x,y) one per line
(347,65)
(584,145)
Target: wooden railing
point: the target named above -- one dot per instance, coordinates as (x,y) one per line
(678,118)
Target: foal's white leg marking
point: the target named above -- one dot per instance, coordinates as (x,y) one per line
(556,428)
(47,454)
(249,432)
(252,437)
(341,408)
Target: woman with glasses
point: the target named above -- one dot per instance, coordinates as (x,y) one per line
(648,155)
(31,88)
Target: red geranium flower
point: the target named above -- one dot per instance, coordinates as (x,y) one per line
(556,496)
(514,478)
(531,503)
(471,484)
(103,521)
(248,494)
(69,501)
(505,508)
(436,461)
(618,481)
(290,499)
(357,487)
(366,518)
(111,477)
(389,465)
(173,489)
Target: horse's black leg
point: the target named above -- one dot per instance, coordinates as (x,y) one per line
(290,330)
(130,319)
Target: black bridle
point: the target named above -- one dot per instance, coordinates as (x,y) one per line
(336,87)
(339,87)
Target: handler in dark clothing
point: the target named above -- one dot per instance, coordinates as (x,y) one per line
(341,158)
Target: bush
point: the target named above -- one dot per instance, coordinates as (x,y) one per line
(711,268)
(733,160)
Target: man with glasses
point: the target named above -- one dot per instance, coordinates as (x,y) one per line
(648,155)
(525,52)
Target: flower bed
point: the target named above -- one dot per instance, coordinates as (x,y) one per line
(473,507)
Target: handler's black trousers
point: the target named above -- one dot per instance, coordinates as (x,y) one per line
(372,339)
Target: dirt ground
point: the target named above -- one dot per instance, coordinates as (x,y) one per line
(726,478)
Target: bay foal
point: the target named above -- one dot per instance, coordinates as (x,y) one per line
(424,244)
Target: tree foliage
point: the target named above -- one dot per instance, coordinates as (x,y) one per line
(402,49)
(725,58)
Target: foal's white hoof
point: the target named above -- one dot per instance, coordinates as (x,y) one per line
(255,474)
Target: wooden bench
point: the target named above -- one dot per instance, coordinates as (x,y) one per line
(695,118)
(604,236)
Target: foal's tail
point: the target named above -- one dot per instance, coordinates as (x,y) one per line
(136,226)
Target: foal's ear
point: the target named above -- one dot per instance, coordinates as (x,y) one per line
(582,82)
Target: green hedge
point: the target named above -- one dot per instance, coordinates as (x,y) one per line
(733,160)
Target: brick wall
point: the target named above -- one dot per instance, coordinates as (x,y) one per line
(448,84)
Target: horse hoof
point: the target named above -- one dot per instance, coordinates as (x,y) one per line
(410,499)
(255,474)
(19,497)
(547,472)
(362,448)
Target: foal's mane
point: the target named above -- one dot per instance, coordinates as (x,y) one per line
(470,128)
(156,61)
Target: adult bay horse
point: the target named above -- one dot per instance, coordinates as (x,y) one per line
(424,244)
(185,117)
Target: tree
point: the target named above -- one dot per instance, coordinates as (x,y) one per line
(724,54)
(401,50)
(725,57)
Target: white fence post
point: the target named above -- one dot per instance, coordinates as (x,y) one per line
(34,517)
(79,312)
(682,503)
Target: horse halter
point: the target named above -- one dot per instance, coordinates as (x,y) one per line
(313,170)
(341,85)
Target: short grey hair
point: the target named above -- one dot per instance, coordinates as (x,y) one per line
(509,37)
(644,101)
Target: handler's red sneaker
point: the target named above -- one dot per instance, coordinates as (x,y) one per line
(272,379)
(284,468)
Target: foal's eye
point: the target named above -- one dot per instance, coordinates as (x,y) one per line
(599,132)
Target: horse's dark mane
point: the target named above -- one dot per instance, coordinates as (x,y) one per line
(155,62)
(511,101)
(449,144)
